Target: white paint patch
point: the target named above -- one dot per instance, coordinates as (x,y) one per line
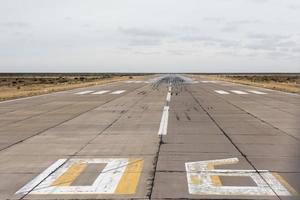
(256,92)
(163,128)
(32,184)
(208,81)
(200,177)
(221,92)
(168,97)
(238,92)
(170,88)
(118,92)
(85,92)
(106,182)
(101,92)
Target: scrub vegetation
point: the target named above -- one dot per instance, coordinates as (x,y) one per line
(282,82)
(23,85)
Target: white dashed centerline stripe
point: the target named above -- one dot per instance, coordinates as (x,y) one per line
(238,92)
(85,92)
(221,92)
(101,92)
(256,92)
(118,92)
(164,121)
(168,97)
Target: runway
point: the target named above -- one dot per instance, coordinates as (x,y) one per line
(163,137)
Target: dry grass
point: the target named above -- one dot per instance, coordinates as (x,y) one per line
(16,87)
(276,82)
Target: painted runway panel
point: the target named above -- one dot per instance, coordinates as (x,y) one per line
(159,139)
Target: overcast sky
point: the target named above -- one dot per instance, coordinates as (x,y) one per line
(149,35)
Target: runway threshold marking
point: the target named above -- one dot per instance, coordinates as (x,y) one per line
(85,92)
(119,176)
(203,179)
(238,92)
(256,92)
(221,92)
(101,92)
(118,92)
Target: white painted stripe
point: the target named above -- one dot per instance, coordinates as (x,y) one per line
(164,122)
(208,81)
(85,92)
(256,92)
(118,92)
(32,184)
(168,97)
(101,92)
(170,89)
(221,92)
(238,92)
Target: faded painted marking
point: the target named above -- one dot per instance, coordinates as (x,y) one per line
(101,92)
(85,92)
(54,182)
(33,183)
(238,92)
(118,92)
(208,81)
(210,184)
(221,92)
(168,97)
(130,178)
(256,92)
(164,121)
(285,184)
(70,175)
(170,88)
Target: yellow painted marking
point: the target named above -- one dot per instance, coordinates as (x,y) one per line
(195,180)
(70,175)
(130,178)
(285,184)
(216,181)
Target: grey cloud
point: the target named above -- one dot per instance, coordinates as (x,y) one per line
(146,53)
(211,41)
(145,42)
(142,32)
(15,24)
(232,26)
(294,7)
(213,19)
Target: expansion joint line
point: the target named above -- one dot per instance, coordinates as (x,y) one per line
(162,131)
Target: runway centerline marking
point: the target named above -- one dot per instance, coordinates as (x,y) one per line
(118,92)
(203,179)
(119,176)
(163,128)
(85,92)
(101,92)
(221,92)
(238,92)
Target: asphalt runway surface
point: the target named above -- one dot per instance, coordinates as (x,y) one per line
(165,137)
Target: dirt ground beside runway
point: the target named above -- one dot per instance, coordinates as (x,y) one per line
(286,83)
(24,85)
